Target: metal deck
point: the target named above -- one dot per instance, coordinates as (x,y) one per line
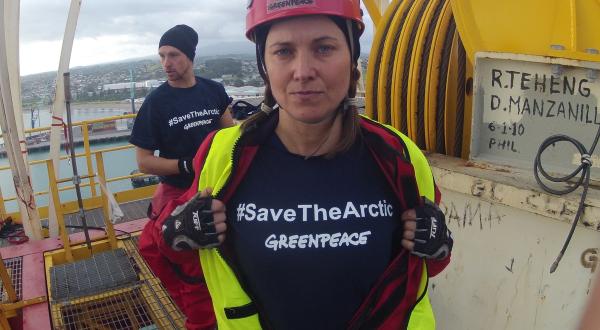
(142,303)
(103,271)
(94,217)
(138,303)
(132,211)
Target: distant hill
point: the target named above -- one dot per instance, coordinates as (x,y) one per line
(87,82)
(214,61)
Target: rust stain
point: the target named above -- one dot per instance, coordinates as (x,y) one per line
(485,167)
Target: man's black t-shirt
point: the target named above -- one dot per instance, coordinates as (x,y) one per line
(175,121)
(312,235)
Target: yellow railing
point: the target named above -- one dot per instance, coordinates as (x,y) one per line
(89,176)
(10,308)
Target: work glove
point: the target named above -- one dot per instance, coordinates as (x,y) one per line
(191,225)
(433,240)
(186,166)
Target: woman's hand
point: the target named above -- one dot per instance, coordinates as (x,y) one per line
(198,223)
(425,233)
(409,219)
(218,213)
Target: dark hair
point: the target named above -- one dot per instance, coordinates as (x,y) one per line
(350,118)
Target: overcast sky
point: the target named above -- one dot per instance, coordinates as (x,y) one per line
(114,30)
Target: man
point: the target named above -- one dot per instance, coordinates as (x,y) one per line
(174,119)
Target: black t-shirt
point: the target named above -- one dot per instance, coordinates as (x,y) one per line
(312,235)
(174,121)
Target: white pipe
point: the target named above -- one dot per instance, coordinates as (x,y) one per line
(12,14)
(58,107)
(8,122)
(11,22)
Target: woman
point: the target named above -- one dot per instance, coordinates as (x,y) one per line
(320,217)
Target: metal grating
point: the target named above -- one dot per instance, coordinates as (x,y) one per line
(103,271)
(95,217)
(141,306)
(135,210)
(131,245)
(14,266)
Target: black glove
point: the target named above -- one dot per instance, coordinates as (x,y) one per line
(186,166)
(433,240)
(190,226)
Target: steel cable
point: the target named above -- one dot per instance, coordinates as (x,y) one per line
(440,146)
(390,68)
(584,168)
(421,94)
(407,62)
(460,102)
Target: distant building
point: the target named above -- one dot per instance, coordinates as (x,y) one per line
(244,91)
(127,85)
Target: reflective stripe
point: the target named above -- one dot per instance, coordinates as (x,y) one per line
(225,290)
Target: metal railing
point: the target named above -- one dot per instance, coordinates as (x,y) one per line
(56,185)
(12,306)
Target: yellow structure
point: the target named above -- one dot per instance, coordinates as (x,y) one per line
(139,304)
(420,71)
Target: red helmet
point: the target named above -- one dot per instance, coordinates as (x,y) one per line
(263,11)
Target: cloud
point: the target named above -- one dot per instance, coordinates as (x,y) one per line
(44,20)
(112,30)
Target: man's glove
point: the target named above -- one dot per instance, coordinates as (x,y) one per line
(190,226)
(186,166)
(433,240)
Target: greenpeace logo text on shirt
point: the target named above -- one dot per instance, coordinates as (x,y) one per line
(313,212)
(316,241)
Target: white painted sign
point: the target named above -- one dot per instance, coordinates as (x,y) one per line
(521,100)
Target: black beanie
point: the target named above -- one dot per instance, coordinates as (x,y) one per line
(181,37)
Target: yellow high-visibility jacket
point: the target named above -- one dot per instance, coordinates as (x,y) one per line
(221,163)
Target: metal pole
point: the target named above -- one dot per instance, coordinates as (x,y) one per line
(58,103)
(10,129)
(60,219)
(76,178)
